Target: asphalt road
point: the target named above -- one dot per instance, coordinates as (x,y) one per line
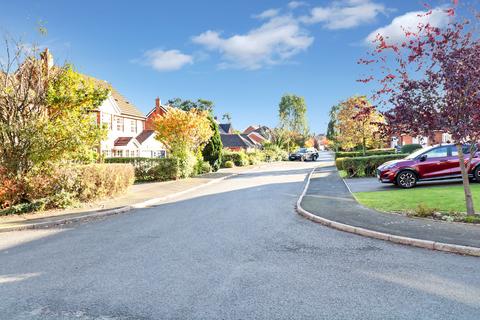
(233,250)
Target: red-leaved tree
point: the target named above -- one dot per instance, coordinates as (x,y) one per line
(431,81)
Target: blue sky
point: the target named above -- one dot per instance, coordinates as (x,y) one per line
(244,54)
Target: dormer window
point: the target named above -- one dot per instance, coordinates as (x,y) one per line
(133,125)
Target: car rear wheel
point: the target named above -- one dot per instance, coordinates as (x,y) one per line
(406,179)
(476,173)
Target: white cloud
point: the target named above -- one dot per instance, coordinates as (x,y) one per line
(345,14)
(296,4)
(270,13)
(274,42)
(395,31)
(169,60)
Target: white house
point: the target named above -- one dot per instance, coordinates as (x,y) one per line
(127,135)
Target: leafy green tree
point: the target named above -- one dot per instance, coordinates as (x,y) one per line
(213,150)
(46,112)
(293,114)
(187,105)
(227,117)
(332,133)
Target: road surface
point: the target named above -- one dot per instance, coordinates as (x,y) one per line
(232,250)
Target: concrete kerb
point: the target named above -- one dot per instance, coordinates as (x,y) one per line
(106,213)
(432,245)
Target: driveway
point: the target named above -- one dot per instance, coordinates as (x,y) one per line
(372,184)
(233,250)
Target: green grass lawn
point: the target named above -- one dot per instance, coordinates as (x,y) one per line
(442,199)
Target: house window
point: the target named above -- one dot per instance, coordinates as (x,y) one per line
(118,153)
(133,125)
(159,154)
(107,153)
(107,120)
(119,121)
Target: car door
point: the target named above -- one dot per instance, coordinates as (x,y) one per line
(455,163)
(435,163)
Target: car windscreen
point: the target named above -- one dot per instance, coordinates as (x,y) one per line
(417,153)
(302,150)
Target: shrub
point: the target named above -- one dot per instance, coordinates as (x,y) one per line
(275,153)
(372,152)
(206,167)
(239,158)
(37,205)
(410,148)
(365,166)
(228,164)
(151,169)
(103,180)
(256,157)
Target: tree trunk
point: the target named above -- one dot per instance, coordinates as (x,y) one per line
(466,182)
(363,146)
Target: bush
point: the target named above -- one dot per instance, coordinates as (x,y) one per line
(37,205)
(410,148)
(256,157)
(372,152)
(364,166)
(239,158)
(228,164)
(81,182)
(206,167)
(152,169)
(275,153)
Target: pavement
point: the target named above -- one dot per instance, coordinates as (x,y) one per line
(372,184)
(328,197)
(138,195)
(235,249)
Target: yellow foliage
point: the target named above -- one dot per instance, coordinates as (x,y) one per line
(356,126)
(183,131)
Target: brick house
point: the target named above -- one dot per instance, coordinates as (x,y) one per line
(439,136)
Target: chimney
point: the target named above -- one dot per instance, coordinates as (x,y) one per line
(158,103)
(47,60)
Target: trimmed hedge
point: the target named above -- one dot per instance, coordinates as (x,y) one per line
(373,152)
(152,169)
(365,166)
(66,185)
(410,148)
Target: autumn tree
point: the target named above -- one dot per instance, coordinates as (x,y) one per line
(46,111)
(357,124)
(184,133)
(431,81)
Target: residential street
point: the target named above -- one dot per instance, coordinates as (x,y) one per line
(232,250)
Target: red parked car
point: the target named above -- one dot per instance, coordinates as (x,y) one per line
(434,163)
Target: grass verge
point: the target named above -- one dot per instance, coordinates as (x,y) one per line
(445,203)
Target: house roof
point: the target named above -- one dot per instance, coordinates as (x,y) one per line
(225,127)
(234,140)
(144,135)
(250,140)
(126,107)
(122,141)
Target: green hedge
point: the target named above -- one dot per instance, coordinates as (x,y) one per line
(152,169)
(365,166)
(373,152)
(410,148)
(239,158)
